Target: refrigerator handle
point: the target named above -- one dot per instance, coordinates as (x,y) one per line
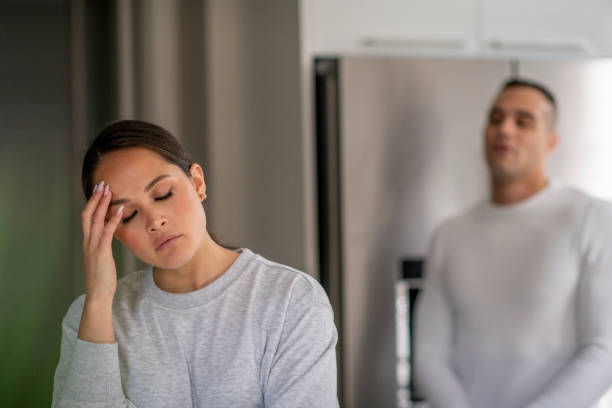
(328,188)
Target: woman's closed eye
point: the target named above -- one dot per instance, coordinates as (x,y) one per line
(129,217)
(165,196)
(132,215)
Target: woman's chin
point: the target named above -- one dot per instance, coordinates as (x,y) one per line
(171,264)
(171,257)
(174,261)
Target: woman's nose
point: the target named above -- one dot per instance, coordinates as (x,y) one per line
(156,221)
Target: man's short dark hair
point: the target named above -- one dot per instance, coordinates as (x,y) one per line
(511,83)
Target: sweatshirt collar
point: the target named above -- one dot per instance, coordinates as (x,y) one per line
(201,296)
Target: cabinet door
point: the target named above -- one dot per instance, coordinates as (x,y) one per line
(364,26)
(547,26)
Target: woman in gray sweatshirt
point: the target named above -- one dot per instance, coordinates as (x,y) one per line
(204,326)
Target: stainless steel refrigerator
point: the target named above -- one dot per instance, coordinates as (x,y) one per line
(399,148)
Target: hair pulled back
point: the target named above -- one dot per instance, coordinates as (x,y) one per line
(125,134)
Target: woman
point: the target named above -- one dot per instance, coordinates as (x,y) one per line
(205,326)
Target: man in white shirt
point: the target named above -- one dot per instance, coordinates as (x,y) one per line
(517,305)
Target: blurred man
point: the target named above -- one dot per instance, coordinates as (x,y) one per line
(517,307)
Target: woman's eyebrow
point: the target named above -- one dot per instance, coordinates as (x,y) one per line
(147,188)
(154,181)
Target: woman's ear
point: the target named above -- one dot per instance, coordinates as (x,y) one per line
(197,180)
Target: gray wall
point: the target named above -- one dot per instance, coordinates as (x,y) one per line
(255,185)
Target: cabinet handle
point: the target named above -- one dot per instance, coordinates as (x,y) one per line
(395,42)
(569,46)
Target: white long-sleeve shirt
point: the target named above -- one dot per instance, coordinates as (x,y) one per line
(517,306)
(260,335)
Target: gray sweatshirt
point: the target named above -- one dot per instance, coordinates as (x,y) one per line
(516,306)
(260,335)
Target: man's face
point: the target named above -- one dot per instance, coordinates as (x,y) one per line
(519,134)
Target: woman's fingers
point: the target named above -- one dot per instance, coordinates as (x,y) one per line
(98,216)
(100,268)
(89,209)
(111,226)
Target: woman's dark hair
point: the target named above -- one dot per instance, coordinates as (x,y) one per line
(125,134)
(132,133)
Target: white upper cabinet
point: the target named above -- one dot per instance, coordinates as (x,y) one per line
(547,26)
(446,27)
(372,26)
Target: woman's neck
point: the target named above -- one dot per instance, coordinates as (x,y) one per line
(209,262)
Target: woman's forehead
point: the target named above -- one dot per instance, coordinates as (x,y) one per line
(132,166)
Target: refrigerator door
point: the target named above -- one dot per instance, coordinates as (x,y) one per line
(410,156)
(400,148)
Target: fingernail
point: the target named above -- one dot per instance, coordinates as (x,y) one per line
(100,185)
(106,190)
(94,189)
(120,210)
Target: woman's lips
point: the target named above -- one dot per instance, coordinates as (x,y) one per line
(166,242)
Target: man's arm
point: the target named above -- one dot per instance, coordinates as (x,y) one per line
(435,376)
(588,376)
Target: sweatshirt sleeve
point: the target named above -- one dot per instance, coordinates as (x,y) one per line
(87,375)
(588,375)
(434,373)
(303,371)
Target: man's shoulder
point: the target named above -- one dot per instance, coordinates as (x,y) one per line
(461,218)
(582,201)
(596,212)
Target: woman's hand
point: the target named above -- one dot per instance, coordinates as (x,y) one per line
(100,269)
